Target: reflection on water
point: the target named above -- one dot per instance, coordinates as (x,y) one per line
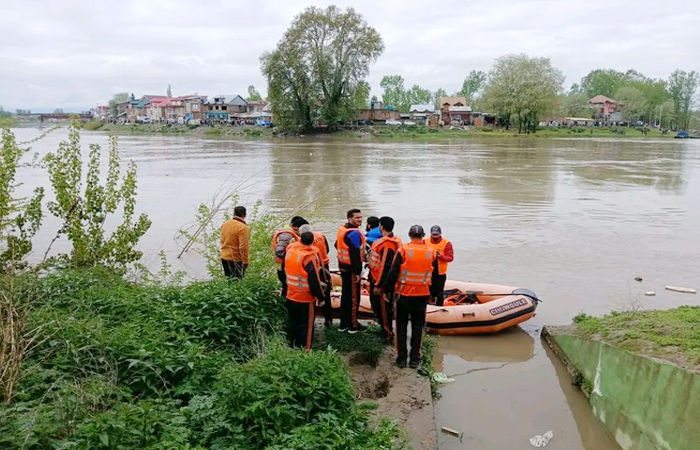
(511,345)
(573,220)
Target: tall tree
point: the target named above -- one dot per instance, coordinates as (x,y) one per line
(603,82)
(253,94)
(632,103)
(473,84)
(394,91)
(681,88)
(439,92)
(318,65)
(522,89)
(417,96)
(361,95)
(115,101)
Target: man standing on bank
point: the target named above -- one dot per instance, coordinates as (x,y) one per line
(381,257)
(350,243)
(301,267)
(412,268)
(444,254)
(235,244)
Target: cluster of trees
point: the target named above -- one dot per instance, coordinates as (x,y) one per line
(665,103)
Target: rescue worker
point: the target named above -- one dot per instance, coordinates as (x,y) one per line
(321,244)
(444,254)
(235,244)
(382,255)
(350,243)
(280,240)
(411,270)
(372,233)
(301,266)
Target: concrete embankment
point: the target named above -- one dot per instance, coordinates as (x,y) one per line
(645,403)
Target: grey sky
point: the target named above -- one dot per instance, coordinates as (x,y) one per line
(76,54)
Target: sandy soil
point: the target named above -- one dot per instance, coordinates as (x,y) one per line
(401,394)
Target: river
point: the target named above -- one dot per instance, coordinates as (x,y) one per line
(575,220)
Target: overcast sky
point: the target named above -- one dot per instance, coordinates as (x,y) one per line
(76,54)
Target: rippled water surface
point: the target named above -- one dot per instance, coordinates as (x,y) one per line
(573,220)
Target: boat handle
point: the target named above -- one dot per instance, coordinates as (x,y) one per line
(468,314)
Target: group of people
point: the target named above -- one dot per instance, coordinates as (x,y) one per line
(403,277)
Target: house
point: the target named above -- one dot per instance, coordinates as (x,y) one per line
(133,110)
(100,112)
(454,110)
(605,108)
(223,107)
(376,115)
(422,113)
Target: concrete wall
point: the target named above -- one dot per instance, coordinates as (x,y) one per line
(643,402)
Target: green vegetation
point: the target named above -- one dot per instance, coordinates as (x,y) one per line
(91,360)
(317,67)
(92,125)
(20,218)
(651,332)
(368,345)
(522,90)
(83,212)
(117,364)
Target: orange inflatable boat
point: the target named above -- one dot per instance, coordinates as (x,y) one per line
(475,308)
(469,308)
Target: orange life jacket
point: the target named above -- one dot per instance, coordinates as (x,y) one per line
(416,269)
(320,244)
(377,257)
(298,256)
(343,249)
(275,238)
(440,247)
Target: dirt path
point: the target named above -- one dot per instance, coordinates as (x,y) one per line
(401,394)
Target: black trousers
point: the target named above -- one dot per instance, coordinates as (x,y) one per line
(327,307)
(283,279)
(300,329)
(413,309)
(233,269)
(349,300)
(437,288)
(383,307)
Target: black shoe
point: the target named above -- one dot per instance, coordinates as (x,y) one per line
(401,363)
(414,363)
(359,329)
(327,323)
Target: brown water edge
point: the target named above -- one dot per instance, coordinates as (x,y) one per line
(508,387)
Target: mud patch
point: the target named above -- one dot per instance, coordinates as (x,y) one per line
(400,394)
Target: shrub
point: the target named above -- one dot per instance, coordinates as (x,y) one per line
(84,212)
(270,396)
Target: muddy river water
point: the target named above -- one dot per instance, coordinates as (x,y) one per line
(573,220)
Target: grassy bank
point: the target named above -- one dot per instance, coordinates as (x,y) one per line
(670,334)
(115,364)
(412,132)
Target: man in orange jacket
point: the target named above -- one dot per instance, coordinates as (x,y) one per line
(444,254)
(235,244)
(350,243)
(301,267)
(411,271)
(380,259)
(321,244)
(280,240)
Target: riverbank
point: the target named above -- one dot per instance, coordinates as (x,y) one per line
(116,363)
(378,132)
(640,371)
